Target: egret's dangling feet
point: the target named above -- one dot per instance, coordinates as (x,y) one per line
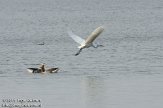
(78,52)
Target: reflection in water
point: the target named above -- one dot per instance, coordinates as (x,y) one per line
(94,92)
(122,92)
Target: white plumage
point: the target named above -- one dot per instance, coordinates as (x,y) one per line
(88,42)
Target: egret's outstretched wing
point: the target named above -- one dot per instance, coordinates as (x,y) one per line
(94,34)
(75,37)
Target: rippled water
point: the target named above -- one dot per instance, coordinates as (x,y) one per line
(126,72)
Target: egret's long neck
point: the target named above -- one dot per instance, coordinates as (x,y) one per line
(97,45)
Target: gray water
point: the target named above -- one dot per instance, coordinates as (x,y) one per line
(126,73)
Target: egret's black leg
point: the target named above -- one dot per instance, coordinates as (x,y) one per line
(78,52)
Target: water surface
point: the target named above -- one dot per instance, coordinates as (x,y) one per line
(127,72)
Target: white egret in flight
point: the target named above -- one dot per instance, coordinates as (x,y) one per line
(88,42)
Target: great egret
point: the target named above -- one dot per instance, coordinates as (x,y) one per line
(42,69)
(88,42)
